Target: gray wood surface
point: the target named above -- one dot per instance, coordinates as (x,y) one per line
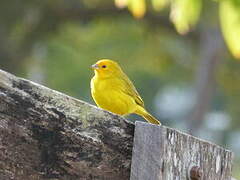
(45,134)
(161,153)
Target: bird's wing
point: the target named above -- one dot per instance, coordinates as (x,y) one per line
(130,90)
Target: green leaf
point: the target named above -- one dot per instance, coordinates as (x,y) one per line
(159,4)
(121,3)
(185,14)
(229,13)
(137,8)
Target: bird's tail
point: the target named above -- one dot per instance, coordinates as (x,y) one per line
(142,112)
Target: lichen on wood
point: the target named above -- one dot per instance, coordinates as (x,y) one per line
(162,153)
(46,134)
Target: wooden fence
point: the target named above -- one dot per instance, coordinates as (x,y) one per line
(45,134)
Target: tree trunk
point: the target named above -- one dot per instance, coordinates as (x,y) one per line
(211,47)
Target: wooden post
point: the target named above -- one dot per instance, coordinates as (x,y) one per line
(162,153)
(45,134)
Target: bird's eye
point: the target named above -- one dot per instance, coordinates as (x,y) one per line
(104,66)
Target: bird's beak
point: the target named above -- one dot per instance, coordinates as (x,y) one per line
(95,66)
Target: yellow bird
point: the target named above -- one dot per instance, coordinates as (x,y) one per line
(112,90)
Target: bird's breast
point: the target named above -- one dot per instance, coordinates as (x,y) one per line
(108,95)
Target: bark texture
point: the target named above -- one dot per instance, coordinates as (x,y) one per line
(45,134)
(161,153)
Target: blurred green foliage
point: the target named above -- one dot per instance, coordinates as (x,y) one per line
(56,42)
(230,22)
(72,50)
(186,13)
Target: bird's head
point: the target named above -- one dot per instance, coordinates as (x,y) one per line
(106,68)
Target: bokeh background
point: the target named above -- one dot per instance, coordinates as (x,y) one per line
(181,55)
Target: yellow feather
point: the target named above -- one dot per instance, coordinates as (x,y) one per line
(112,90)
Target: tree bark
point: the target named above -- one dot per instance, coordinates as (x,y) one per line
(211,47)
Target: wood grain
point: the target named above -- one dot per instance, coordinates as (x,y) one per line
(162,153)
(45,134)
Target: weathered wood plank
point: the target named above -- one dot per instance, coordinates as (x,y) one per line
(161,153)
(45,134)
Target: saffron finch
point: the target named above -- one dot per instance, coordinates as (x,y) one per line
(112,90)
